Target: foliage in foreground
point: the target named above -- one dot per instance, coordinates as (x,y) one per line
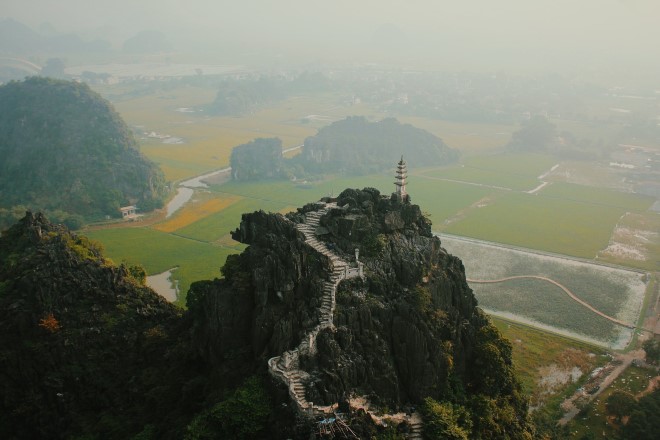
(244,414)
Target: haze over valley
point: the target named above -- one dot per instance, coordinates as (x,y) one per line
(361,219)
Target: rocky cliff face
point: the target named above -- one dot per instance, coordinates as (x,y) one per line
(85,347)
(408,330)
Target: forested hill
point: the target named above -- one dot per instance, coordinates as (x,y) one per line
(357,146)
(65,149)
(88,351)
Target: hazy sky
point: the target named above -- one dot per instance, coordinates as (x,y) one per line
(531,33)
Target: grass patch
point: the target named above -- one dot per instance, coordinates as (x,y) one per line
(534,349)
(158,252)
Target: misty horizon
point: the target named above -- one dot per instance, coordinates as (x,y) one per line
(590,36)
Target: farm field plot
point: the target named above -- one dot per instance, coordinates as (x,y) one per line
(447,202)
(440,199)
(299,194)
(520,164)
(196,210)
(213,227)
(158,252)
(549,224)
(589,174)
(485,177)
(599,196)
(616,292)
(635,241)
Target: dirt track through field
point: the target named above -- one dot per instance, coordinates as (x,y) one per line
(568,292)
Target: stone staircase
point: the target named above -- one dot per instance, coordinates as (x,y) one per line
(287,366)
(416,427)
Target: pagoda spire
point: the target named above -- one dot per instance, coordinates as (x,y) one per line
(401,174)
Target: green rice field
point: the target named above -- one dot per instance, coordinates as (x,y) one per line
(550,224)
(215,226)
(616,292)
(158,252)
(598,196)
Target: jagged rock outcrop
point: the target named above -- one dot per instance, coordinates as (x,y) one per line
(406,331)
(346,303)
(85,346)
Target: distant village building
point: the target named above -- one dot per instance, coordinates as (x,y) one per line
(401,173)
(129,212)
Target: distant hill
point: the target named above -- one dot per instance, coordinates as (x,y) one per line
(147,42)
(64,147)
(17,38)
(350,146)
(357,146)
(259,159)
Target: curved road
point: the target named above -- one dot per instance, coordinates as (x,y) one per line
(568,292)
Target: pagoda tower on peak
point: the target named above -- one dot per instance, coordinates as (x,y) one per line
(401,173)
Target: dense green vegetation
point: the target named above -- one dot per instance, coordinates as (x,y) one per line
(357,146)
(353,146)
(87,349)
(256,160)
(487,414)
(64,148)
(644,418)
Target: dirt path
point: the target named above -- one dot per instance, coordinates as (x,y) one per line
(653,384)
(568,292)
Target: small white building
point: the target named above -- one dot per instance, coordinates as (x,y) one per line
(129,212)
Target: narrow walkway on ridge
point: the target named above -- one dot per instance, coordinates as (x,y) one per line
(286,367)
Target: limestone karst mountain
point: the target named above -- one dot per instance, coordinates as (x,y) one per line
(65,148)
(346,315)
(354,302)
